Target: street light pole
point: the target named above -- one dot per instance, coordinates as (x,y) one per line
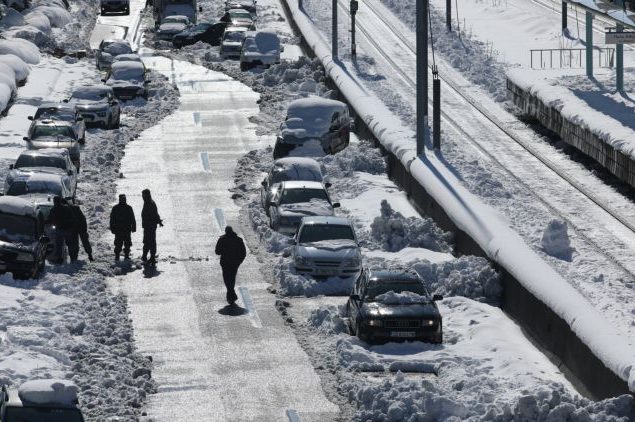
(353,8)
(334,31)
(422,74)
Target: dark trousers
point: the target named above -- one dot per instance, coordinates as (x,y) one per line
(73,247)
(229,278)
(150,242)
(63,237)
(123,239)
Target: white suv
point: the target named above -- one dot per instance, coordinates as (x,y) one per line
(326,247)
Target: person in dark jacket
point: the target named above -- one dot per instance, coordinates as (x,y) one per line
(150,219)
(122,224)
(80,232)
(62,218)
(231,249)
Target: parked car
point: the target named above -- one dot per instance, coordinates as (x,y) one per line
(23,246)
(108,50)
(54,134)
(248,5)
(109,6)
(260,48)
(57,158)
(132,57)
(293,200)
(392,305)
(97,104)
(232,42)
(326,247)
(47,400)
(207,32)
(61,112)
(239,17)
(128,80)
(172,25)
(40,183)
(314,119)
(288,169)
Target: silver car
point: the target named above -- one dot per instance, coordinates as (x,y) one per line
(54,134)
(60,112)
(97,104)
(48,159)
(326,247)
(128,80)
(172,25)
(108,50)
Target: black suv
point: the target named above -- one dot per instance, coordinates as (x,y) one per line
(23,243)
(393,305)
(17,406)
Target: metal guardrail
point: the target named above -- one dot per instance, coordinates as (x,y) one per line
(569,58)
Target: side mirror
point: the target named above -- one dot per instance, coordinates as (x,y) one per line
(282,48)
(65,100)
(328,185)
(114,103)
(355,297)
(146,82)
(10,166)
(30,117)
(437,297)
(70,172)
(200,8)
(335,205)
(264,183)
(80,119)
(26,138)
(272,204)
(103,80)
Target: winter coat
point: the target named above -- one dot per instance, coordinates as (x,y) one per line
(79,219)
(122,219)
(61,217)
(150,218)
(231,249)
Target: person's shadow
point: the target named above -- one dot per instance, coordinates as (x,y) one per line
(232,310)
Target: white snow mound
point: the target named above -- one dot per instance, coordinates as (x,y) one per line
(56,15)
(48,391)
(20,68)
(404,298)
(24,49)
(555,240)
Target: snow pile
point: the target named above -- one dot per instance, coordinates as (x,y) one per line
(555,240)
(328,319)
(394,232)
(292,284)
(403,298)
(356,157)
(57,16)
(48,391)
(274,241)
(24,49)
(19,67)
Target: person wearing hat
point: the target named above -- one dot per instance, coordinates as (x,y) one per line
(122,224)
(150,219)
(231,249)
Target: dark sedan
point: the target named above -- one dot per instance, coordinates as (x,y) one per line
(210,33)
(393,305)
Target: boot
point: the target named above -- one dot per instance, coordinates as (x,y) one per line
(116,257)
(127,256)
(90,257)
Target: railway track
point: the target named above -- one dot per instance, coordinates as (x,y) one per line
(503,127)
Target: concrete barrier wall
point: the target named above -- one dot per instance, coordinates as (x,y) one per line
(582,139)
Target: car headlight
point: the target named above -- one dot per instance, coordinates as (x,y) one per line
(428,322)
(24,257)
(355,262)
(300,260)
(375,322)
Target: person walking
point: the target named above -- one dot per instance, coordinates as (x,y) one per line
(150,219)
(231,249)
(62,218)
(80,230)
(122,224)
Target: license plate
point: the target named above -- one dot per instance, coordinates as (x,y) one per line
(402,333)
(322,271)
(125,97)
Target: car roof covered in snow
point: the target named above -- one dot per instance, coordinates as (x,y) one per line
(17,206)
(131,57)
(393,275)
(336,221)
(299,168)
(299,108)
(49,152)
(58,392)
(58,106)
(127,66)
(92,88)
(38,177)
(52,122)
(118,47)
(301,184)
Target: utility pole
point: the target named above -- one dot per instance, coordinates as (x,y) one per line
(353,8)
(448,14)
(422,74)
(436,108)
(334,32)
(564,15)
(589,44)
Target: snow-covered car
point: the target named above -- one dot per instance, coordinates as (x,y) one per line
(261,48)
(239,17)
(108,50)
(47,159)
(393,305)
(314,119)
(172,25)
(23,248)
(60,112)
(326,247)
(128,80)
(132,57)
(109,6)
(39,183)
(45,400)
(97,104)
(54,134)
(248,5)
(293,200)
(232,42)
(288,169)
(207,32)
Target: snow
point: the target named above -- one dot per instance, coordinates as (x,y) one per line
(39,21)
(401,298)
(16,205)
(309,117)
(50,391)
(292,284)
(11,18)
(8,76)
(58,17)
(313,207)
(20,68)
(24,49)
(6,95)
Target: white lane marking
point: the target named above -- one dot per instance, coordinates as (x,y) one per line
(205,161)
(293,415)
(197,118)
(249,305)
(220,218)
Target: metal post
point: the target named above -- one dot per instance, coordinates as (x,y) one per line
(589,44)
(564,15)
(436,109)
(353,8)
(448,14)
(619,63)
(334,32)
(300,5)
(422,74)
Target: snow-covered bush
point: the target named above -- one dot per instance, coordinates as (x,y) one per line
(396,232)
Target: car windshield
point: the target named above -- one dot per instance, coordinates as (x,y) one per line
(176,19)
(90,94)
(240,14)
(377,289)
(21,187)
(42,414)
(319,232)
(53,131)
(128,73)
(16,228)
(234,36)
(55,113)
(40,161)
(294,196)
